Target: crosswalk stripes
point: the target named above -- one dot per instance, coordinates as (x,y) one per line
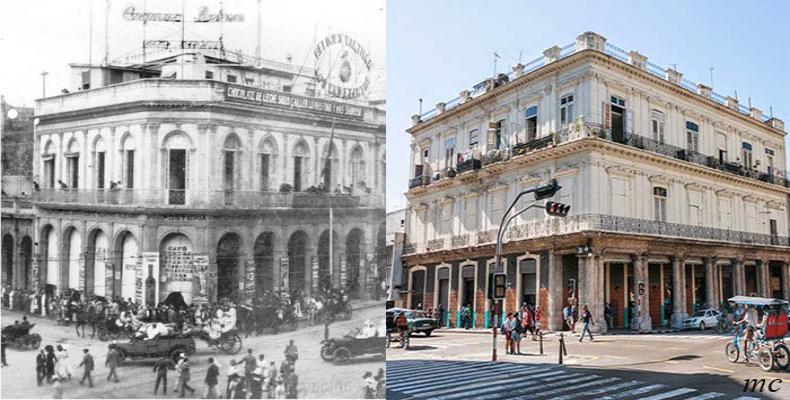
(456,380)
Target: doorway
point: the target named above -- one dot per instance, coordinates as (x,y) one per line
(443,276)
(618,119)
(228,265)
(529,278)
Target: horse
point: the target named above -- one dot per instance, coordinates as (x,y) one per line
(81,318)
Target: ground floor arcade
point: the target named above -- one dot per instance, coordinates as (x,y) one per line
(646,282)
(205,257)
(16,254)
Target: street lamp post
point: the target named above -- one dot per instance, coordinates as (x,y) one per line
(541,192)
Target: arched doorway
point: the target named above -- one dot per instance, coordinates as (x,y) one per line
(354,259)
(72,249)
(228,265)
(324,279)
(128,256)
(8,259)
(175,266)
(264,262)
(49,256)
(25,259)
(297,261)
(96,267)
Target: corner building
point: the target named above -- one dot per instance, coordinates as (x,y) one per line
(673,189)
(196,173)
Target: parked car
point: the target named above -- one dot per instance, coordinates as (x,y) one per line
(168,346)
(418,322)
(702,319)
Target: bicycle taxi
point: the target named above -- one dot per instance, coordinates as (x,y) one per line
(767,345)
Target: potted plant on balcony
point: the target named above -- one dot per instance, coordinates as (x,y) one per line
(451,172)
(286,188)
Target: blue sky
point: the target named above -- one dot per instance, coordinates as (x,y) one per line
(437,48)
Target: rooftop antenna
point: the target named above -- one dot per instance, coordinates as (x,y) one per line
(771,111)
(183,28)
(711,77)
(106,32)
(496,57)
(90,33)
(258,38)
(420,105)
(736,95)
(675,67)
(44,83)
(750,101)
(145,22)
(520,53)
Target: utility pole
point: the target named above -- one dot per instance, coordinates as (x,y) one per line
(106,33)
(258,38)
(44,83)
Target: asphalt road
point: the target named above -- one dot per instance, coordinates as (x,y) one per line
(688,364)
(317,378)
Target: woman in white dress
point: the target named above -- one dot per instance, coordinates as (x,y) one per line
(62,368)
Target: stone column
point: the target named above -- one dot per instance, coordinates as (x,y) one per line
(711,286)
(786,280)
(555,291)
(678,291)
(591,292)
(642,292)
(763,279)
(739,277)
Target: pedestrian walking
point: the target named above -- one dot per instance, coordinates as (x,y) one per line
(369,387)
(233,373)
(87,363)
(249,366)
(256,390)
(381,384)
(41,366)
(290,381)
(50,364)
(586,319)
(537,317)
(506,330)
(516,335)
(183,378)
(160,369)
(112,361)
(271,380)
(211,379)
(2,349)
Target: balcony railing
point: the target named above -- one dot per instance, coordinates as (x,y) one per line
(567,51)
(204,199)
(611,223)
(17,205)
(416,181)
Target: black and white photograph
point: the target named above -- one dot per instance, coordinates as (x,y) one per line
(193,198)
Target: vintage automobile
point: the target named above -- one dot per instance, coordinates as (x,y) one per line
(19,335)
(351,345)
(168,346)
(418,322)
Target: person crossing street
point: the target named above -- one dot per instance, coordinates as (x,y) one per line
(586,319)
(113,359)
(160,368)
(87,362)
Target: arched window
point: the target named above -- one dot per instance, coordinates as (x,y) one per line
(99,163)
(48,157)
(176,166)
(300,159)
(72,164)
(267,153)
(358,167)
(128,147)
(660,204)
(230,154)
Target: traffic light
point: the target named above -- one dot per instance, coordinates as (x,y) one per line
(499,285)
(544,192)
(557,209)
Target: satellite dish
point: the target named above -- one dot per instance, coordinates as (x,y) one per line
(12,113)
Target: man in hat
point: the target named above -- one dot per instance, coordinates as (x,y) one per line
(183,378)
(381,385)
(249,366)
(233,374)
(41,366)
(291,352)
(291,381)
(160,368)
(87,361)
(113,359)
(211,379)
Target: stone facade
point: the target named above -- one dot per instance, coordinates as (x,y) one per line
(678,200)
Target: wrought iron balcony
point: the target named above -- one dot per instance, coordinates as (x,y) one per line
(17,205)
(417,181)
(202,199)
(610,223)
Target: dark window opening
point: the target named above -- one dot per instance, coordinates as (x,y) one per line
(100,170)
(74,172)
(532,123)
(49,172)
(209,74)
(618,123)
(176,182)
(232,78)
(298,174)
(129,177)
(265,172)
(229,169)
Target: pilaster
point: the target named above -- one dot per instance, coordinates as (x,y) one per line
(555,291)
(642,293)
(678,291)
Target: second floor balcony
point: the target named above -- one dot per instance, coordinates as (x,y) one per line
(202,199)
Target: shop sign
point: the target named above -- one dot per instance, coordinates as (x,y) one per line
(177,264)
(268,97)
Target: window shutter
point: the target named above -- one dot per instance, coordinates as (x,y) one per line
(629,121)
(492,128)
(607,115)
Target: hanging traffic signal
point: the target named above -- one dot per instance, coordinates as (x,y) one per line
(557,209)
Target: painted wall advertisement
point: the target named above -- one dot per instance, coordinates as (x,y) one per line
(284,270)
(200,281)
(151,270)
(177,264)
(83,272)
(250,278)
(314,268)
(343,271)
(138,281)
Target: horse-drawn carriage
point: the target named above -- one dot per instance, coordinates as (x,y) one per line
(19,335)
